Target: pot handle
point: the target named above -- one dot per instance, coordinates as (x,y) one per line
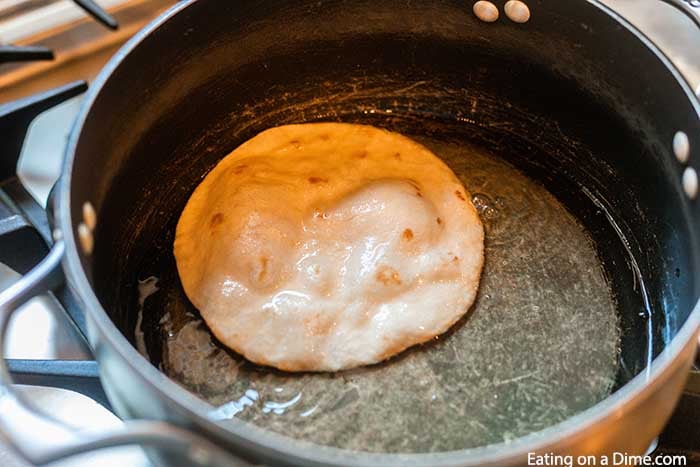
(40,439)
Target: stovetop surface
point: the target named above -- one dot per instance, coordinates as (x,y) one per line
(36,333)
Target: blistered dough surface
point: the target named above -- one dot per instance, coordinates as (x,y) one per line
(326,246)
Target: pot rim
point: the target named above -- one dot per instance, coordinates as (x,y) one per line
(267,443)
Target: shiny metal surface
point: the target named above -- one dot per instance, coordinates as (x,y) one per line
(64,406)
(601,430)
(40,438)
(690,7)
(38,332)
(38,280)
(35,333)
(677,43)
(672,31)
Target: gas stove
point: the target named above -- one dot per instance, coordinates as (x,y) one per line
(40,92)
(38,102)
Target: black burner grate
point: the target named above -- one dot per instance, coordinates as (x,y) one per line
(25,234)
(12,53)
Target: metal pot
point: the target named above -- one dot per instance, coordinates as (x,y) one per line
(577,98)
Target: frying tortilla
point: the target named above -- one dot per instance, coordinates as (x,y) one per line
(328,246)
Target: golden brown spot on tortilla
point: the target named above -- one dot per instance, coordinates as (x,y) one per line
(325,136)
(455,259)
(318,325)
(397,156)
(239,169)
(408,234)
(310,362)
(263,268)
(416,186)
(392,349)
(306,363)
(315,180)
(361,154)
(460,195)
(439,221)
(216,220)
(387,275)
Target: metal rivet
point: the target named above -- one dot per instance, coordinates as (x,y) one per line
(681,147)
(690,182)
(517,11)
(486,11)
(89,216)
(87,242)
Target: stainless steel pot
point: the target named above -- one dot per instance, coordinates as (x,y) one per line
(148,92)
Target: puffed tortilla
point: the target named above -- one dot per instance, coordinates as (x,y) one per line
(327,246)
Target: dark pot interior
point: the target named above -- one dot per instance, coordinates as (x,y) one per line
(572,99)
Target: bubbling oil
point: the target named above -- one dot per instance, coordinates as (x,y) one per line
(540,344)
